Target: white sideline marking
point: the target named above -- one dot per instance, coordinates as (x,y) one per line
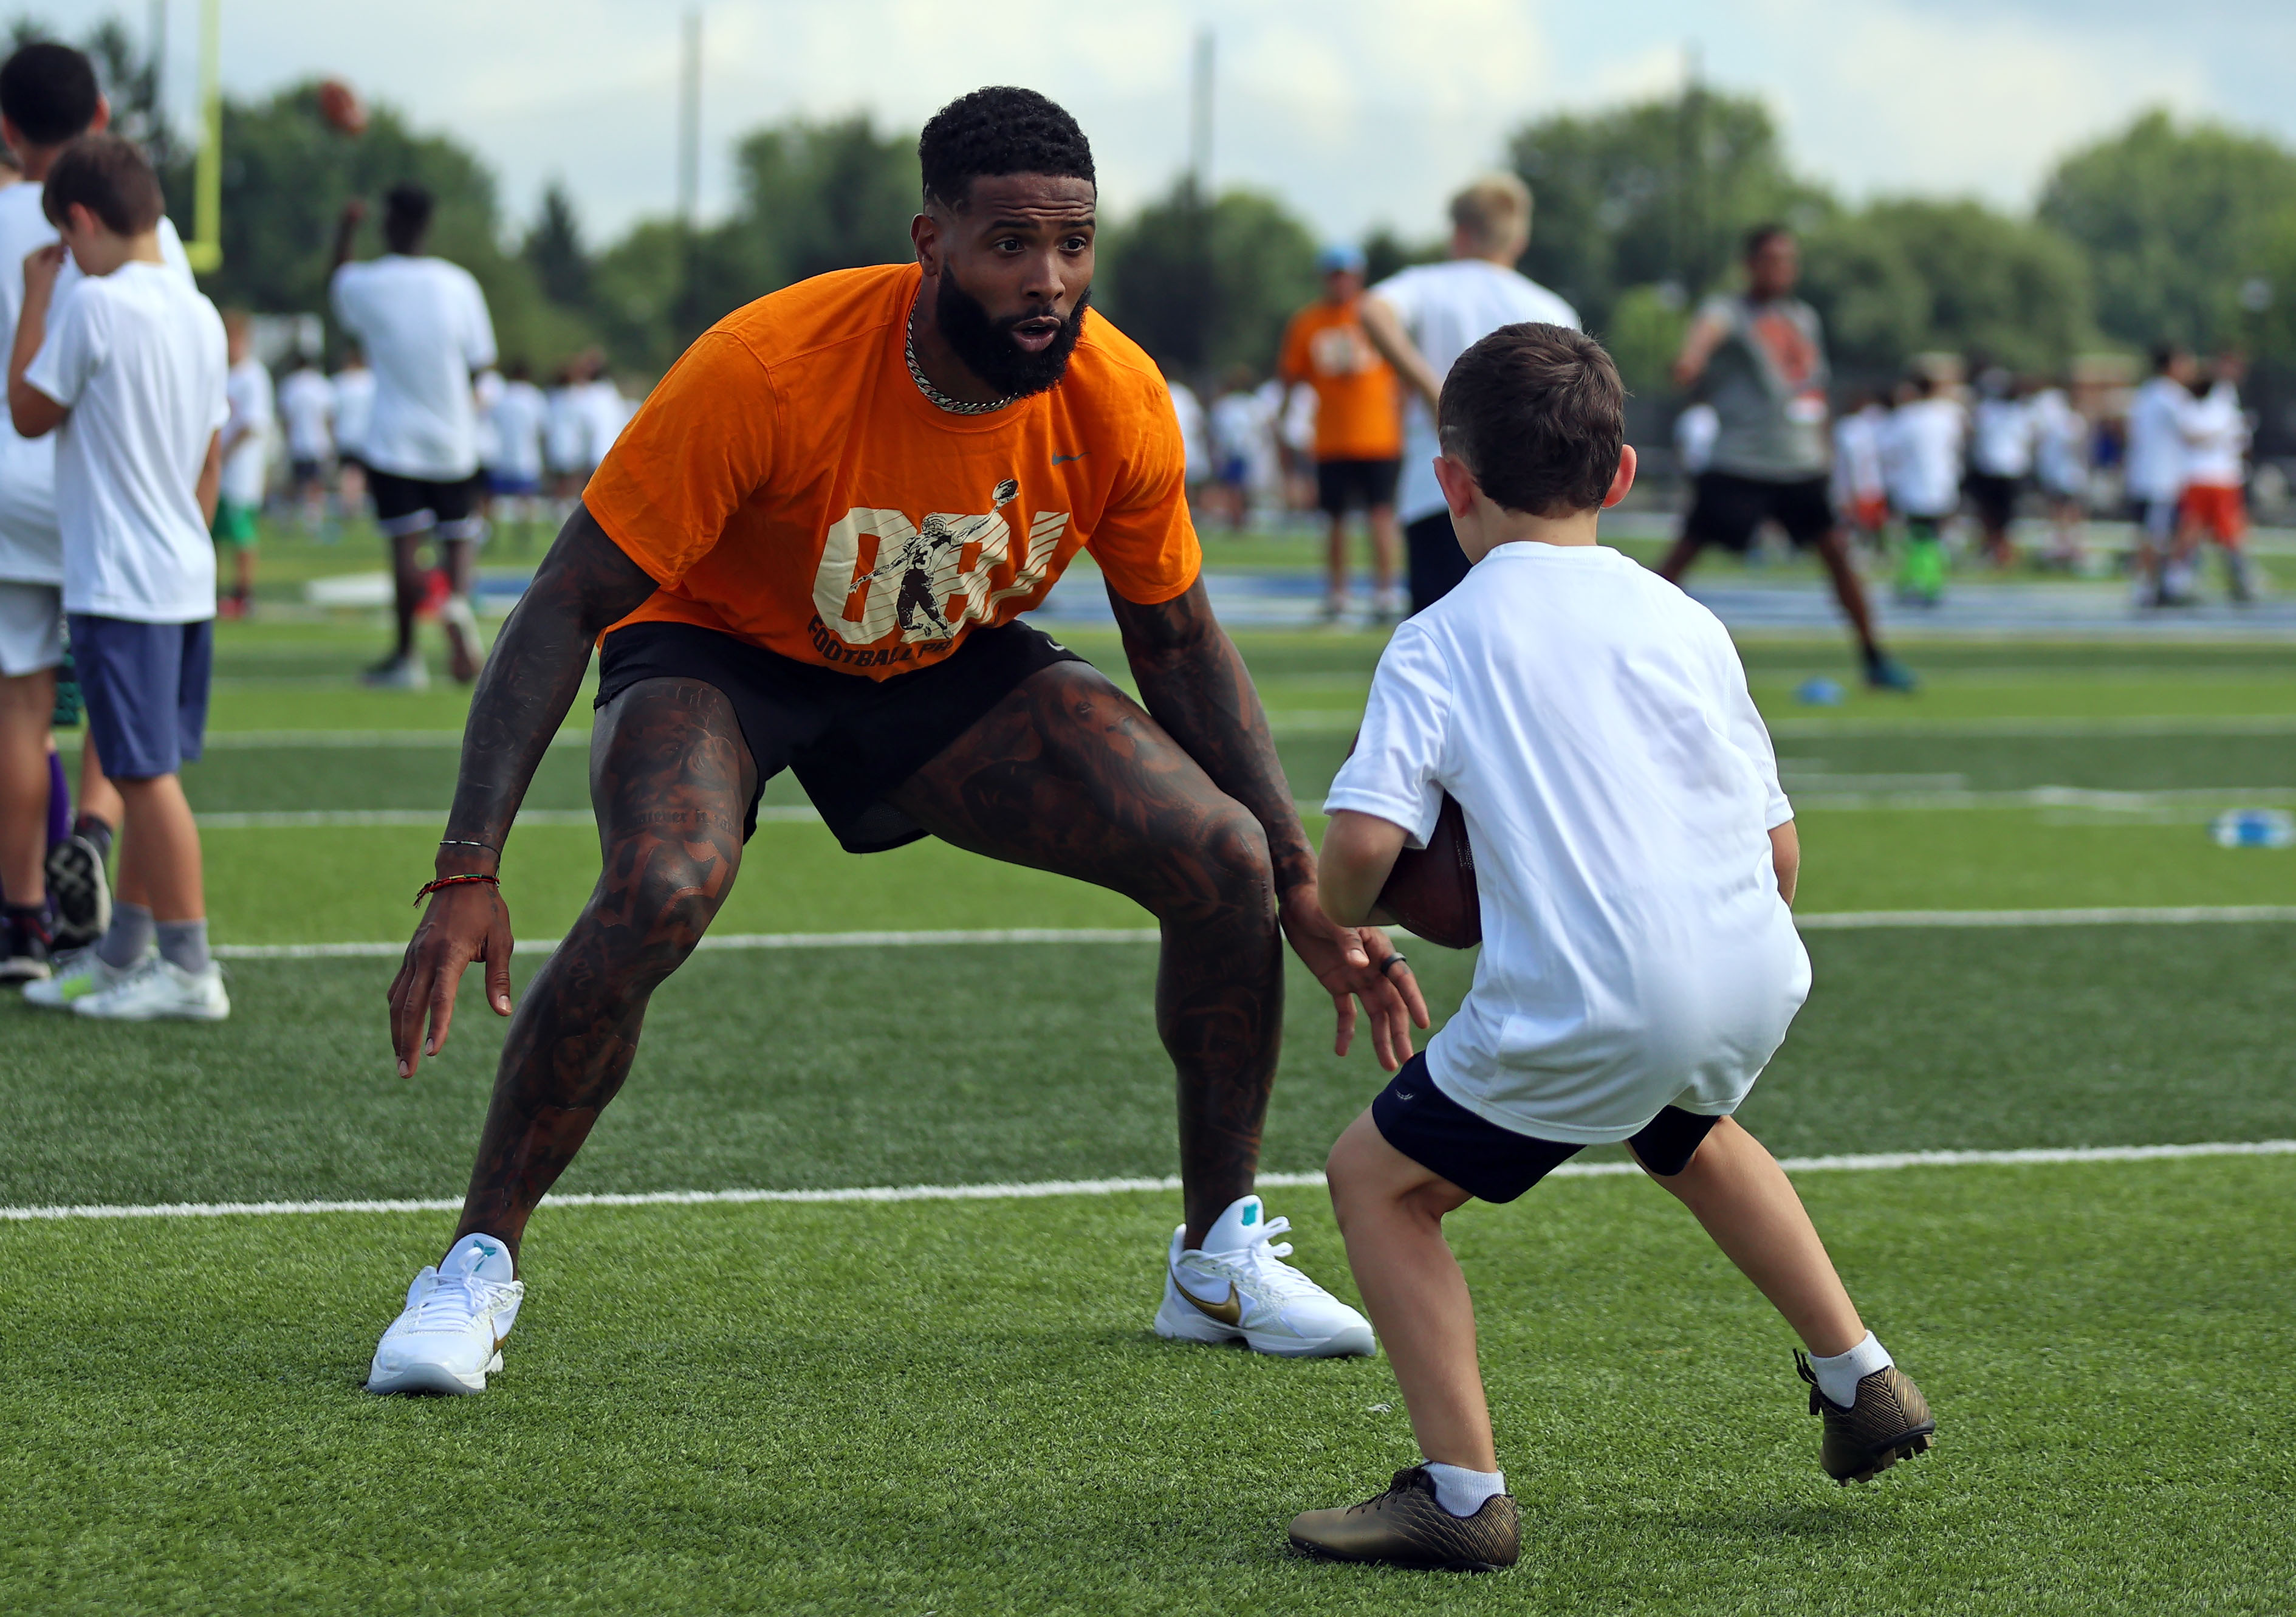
(2190,914)
(1873,1162)
(731,940)
(237,740)
(1855,920)
(300,820)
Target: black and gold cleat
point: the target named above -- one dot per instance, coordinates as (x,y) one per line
(1407,1526)
(1888,1421)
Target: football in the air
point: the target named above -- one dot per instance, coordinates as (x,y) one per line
(340,106)
(1431,890)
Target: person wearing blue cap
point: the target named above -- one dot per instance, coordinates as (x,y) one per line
(1358,427)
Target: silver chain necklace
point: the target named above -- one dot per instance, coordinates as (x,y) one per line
(940,400)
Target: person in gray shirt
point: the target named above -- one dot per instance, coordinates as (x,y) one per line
(1759,358)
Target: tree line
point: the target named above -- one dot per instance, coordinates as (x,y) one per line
(2165,231)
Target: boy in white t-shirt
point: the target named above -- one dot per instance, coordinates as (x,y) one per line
(127,370)
(246,458)
(2215,430)
(1926,434)
(1639,966)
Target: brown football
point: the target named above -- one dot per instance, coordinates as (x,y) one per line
(340,106)
(1431,890)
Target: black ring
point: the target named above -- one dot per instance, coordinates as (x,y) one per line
(1396,958)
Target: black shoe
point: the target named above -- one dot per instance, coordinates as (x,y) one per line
(79,891)
(24,948)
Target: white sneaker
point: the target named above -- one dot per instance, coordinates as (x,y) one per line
(160,990)
(406,673)
(449,1339)
(76,974)
(1237,1288)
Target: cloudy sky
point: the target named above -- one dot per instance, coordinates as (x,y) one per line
(1359,112)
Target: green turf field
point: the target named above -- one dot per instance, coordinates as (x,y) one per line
(957,1406)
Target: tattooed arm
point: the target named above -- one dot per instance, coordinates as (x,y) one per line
(1195,685)
(530,679)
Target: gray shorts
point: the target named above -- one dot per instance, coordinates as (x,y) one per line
(31,628)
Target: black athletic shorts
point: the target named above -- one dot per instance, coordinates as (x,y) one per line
(1342,486)
(1729,508)
(409,504)
(1495,1164)
(851,739)
(1994,497)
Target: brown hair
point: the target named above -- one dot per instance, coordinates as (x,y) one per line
(108,176)
(1493,210)
(1539,414)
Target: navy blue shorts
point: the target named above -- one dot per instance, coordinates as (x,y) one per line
(146,689)
(1495,1164)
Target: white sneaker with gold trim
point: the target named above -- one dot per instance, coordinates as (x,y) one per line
(449,1338)
(1236,1288)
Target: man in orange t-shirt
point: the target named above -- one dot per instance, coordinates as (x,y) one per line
(1358,427)
(808,551)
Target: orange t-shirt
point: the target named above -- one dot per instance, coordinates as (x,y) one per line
(787,484)
(1358,414)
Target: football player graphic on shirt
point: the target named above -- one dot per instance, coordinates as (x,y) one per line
(917,563)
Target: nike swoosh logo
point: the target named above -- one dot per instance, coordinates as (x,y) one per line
(1063,460)
(1228,1312)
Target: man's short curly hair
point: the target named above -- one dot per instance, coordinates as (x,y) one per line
(1001,129)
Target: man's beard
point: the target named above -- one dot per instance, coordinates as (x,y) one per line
(985,344)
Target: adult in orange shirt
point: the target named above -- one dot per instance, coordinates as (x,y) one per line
(1358,427)
(808,550)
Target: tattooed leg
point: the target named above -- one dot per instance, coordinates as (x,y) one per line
(671,778)
(1070,775)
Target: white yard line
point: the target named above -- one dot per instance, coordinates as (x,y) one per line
(2196,914)
(264,741)
(315,819)
(2195,724)
(1873,1162)
(1865,920)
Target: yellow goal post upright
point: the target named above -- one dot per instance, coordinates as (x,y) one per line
(205,249)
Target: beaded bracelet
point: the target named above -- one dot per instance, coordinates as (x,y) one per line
(431,887)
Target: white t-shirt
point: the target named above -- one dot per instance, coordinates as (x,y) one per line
(307,406)
(605,412)
(2060,443)
(1694,432)
(2156,439)
(486,393)
(1190,412)
(564,437)
(1924,463)
(422,323)
(31,542)
(247,389)
(1619,787)
(137,355)
(1445,309)
(354,408)
(1243,435)
(518,418)
(2001,437)
(1857,455)
(2215,439)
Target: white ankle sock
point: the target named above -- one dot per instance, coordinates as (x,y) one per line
(1838,1377)
(1462,1491)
